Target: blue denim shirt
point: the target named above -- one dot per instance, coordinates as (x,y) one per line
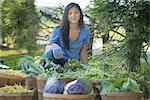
(75,46)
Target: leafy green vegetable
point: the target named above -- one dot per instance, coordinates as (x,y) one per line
(107,86)
(119,85)
(87,84)
(130,85)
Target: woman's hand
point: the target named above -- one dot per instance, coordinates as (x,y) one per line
(57,51)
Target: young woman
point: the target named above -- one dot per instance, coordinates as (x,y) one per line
(70,39)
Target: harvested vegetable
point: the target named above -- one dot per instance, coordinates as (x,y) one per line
(55,86)
(119,85)
(14,89)
(74,87)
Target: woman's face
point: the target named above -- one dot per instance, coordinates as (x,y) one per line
(74,15)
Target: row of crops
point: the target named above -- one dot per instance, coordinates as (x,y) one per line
(82,77)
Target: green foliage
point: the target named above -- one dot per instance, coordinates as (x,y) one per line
(11,61)
(144,70)
(31,64)
(73,64)
(144,78)
(20,21)
(131,50)
(130,85)
(114,64)
(119,85)
(133,17)
(106,61)
(87,84)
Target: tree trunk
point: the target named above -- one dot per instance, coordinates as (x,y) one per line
(134,44)
(105,38)
(1,37)
(91,44)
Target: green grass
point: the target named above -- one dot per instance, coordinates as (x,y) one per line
(10,57)
(11,61)
(5,53)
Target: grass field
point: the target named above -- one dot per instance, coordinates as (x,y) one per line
(4,53)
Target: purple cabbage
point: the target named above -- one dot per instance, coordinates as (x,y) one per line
(54,86)
(75,87)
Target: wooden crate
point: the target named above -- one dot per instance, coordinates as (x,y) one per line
(31,83)
(16,96)
(40,86)
(48,96)
(5,80)
(121,96)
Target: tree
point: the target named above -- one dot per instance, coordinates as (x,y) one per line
(20,21)
(1,38)
(133,16)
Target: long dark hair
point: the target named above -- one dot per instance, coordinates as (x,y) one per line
(65,23)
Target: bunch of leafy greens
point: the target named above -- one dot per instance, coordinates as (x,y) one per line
(119,85)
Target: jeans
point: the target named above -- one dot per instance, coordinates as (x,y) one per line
(49,55)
